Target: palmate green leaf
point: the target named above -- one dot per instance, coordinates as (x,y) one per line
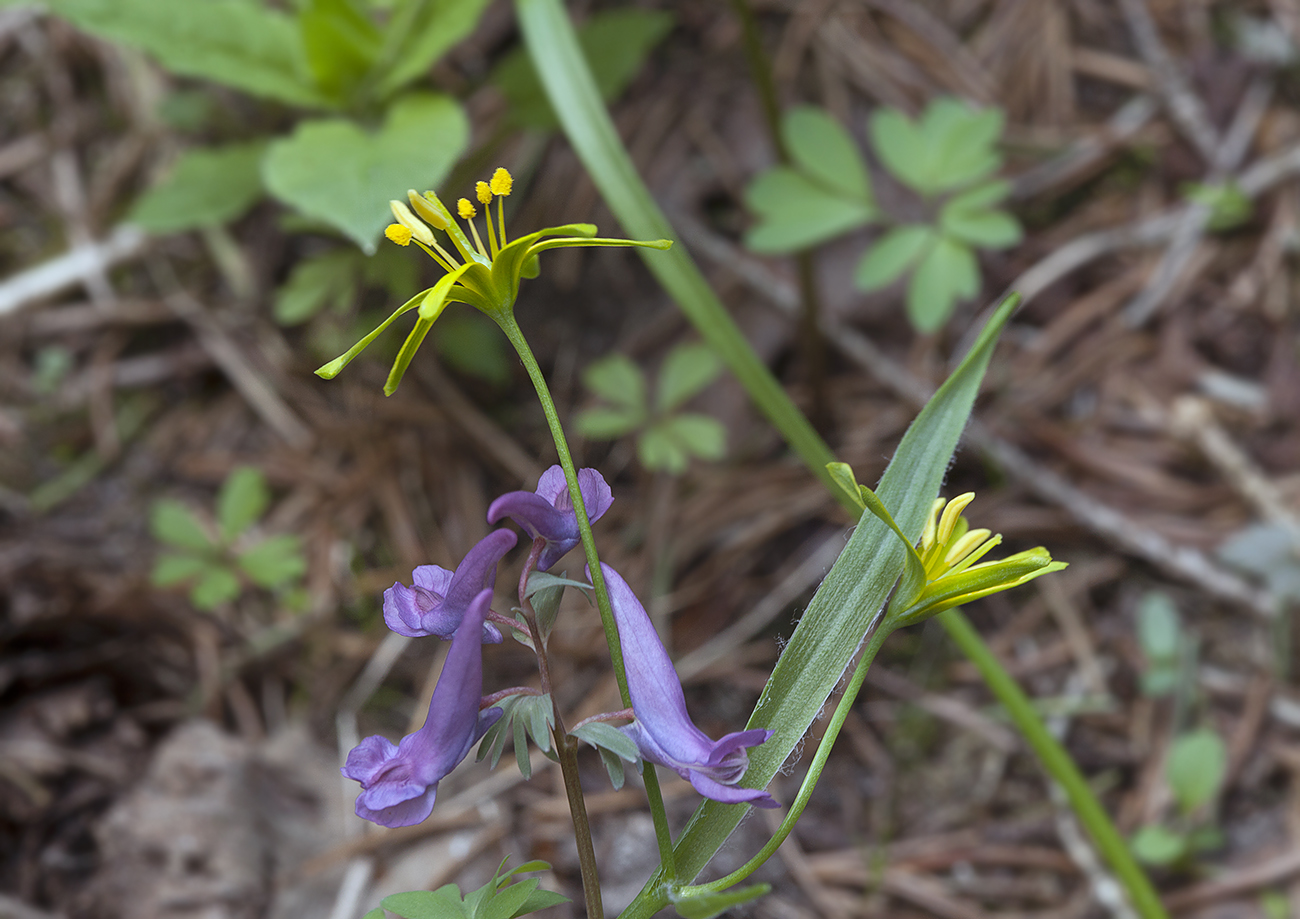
(1195,769)
(274,562)
(418,33)
(890,257)
(604,736)
(950,146)
(242,501)
(172,522)
(708,905)
(796,213)
(686,371)
(244,44)
(948,273)
(216,586)
(615,44)
(206,187)
(323,280)
(968,217)
(825,151)
(342,174)
(341,44)
(618,380)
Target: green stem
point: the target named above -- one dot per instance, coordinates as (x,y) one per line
(810,779)
(510,327)
(1056,760)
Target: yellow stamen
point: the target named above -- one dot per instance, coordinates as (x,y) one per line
(502,182)
(402,214)
(965,545)
(948,522)
(465,209)
(398,234)
(427,211)
(483,193)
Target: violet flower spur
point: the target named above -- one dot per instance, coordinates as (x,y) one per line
(439,598)
(399,782)
(663,731)
(548,513)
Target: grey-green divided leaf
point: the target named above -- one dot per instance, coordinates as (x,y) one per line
(215,587)
(240,43)
(328,279)
(274,562)
(604,736)
(337,172)
(686,371)
(947,273)
(206,187)
(825,151)
(892,255)
(172,522)
(708,905)
(494,740)
(418,33)
(173,568)
(796,213)
(443,903)
(849,599)
(242,501)
(615,44)
(1195,769)
(617,380)
(341,44)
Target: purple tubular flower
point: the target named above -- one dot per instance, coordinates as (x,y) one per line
(437,602)
(400,782)
(663,731)
(548,513)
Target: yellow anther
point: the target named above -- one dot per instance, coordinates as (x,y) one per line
(398,234)
(483,193)
(427,211)
(948,522)
(502,182)
(402,214)
(965,546)
(465,209)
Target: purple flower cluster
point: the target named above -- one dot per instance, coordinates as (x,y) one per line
(399,782)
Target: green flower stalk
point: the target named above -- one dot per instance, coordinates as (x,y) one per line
(485,277)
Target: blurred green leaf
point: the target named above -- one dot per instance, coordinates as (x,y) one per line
(948,272)
(700,435)
(686,371)
(341,44)
(950,146)
(1229,206)
(53,363)
(275,561)
(172,522)
(1195,769)
(825,151)
(206,187)
(658,449)
(471,344)
(507,903)
(242,501)
(1156,845)
(987,228)
(171,569)
(617,380)
(417,34)
(615,44)
(240,43)
(326,279)
(1160,631)
(607,423)
(215,587)
(892,255)
(607,737)
(443,903)
(337,172)
(708,905)
(376,913)
(796,213)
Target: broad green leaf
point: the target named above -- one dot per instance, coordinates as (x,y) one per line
(615,44)
(824,150)
(240,43)
(215,587)
(443,903)
(659,450)
(795,213)
(242,501)
(506,903)
(337,172)
(173,568)
(1159,628)
(418,33)
(206,187)
(604,736)
(326,279)
(607,423)
(700,435)
(172,522)
(1156,845)
(687,370)
(341,44)
(376,913)
(1195,769)
(948,273)
(617,380)
(708,905)
(275,561)
(892,255)
(539,900)
(988,229)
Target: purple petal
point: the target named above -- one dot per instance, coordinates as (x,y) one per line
(403,615)
(552,488)
(433,578)
(367,758)
(730,794)
(731,743)
(596,494)
(537,516)
(478,569)
(403,813)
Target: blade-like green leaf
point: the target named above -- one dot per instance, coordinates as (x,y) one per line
(796,213)
(175,524)
(242,501)
(687,370)
(337,172)
(892,255)
(539,900)
(506,903)
(206,187)
(824,150)
(241,43)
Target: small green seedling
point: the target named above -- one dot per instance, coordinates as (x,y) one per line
(1194,773)
(1229,206)
(947,157)
(666,438)
(1165,647)
(217,558)
(497,899)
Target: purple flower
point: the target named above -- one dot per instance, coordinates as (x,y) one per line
(439,599)
(400,782)
(548,513)
(663,731)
